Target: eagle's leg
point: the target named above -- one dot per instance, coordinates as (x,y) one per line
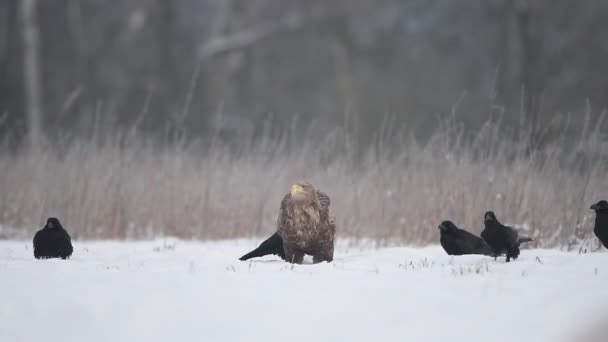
(325,253)
(293,256)
(317,258)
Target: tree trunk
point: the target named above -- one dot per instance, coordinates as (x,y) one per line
(529,73)
(31,68)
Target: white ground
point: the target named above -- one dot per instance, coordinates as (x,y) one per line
(186,291)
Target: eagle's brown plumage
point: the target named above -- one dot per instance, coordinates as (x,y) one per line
(306,224)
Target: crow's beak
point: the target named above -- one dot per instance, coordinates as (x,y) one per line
(594,207)
(442,227)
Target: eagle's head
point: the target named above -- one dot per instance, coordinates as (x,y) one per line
(302,191)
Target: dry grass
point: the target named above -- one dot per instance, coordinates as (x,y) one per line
(394,191)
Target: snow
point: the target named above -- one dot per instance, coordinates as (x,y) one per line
(169,290)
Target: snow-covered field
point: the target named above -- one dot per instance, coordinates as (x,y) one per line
(169,290)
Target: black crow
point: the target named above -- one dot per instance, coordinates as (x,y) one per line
(456,241)
(52,241)
(601,221)
(502,239)
(273,245)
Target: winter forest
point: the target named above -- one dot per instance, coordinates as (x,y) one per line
(378,100)
(202,67)
(161,140)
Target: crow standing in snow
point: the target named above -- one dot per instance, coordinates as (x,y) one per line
(456,241)
(502,239)
(272,246)
(601,221)
(52,241)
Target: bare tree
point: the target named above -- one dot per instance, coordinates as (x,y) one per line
(526,22)
(31,68)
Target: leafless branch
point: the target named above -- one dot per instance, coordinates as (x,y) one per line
(247,37)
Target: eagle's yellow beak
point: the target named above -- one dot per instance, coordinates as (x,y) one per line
(296,189)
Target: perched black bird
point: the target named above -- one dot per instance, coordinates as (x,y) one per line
(273,245)
(502,239)
(601,221)
(456,241)
(52,241)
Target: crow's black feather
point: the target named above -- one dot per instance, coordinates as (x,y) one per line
(600,228)
(272,246)
(52,241)
(456,241)
(501,238)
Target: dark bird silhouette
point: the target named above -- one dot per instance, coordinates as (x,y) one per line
(502,239)
(52,241)
(601,221)
(456,241)
(272,246)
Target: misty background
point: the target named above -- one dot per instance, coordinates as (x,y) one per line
(140,118)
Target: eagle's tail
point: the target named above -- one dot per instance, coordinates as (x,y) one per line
(273,245)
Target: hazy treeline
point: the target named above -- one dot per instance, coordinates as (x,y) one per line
(248,67)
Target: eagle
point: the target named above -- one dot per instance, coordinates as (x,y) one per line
(306,225)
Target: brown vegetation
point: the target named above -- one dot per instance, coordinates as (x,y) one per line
(395,190)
